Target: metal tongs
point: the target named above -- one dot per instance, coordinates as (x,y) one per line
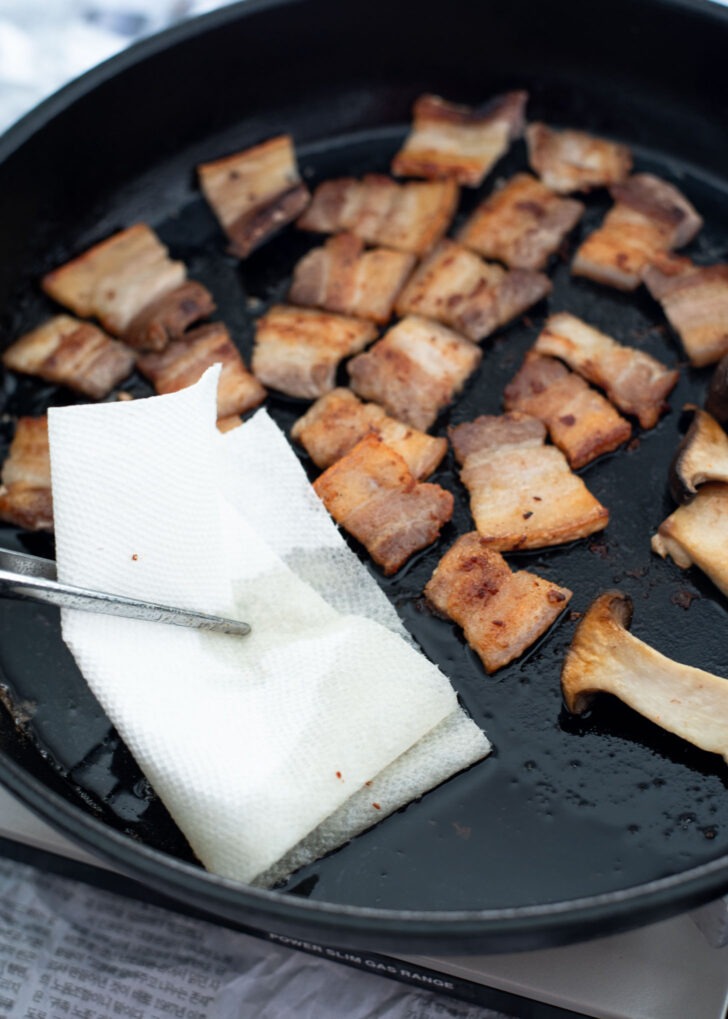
(31,578)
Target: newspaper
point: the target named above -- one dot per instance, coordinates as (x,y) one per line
(71,951)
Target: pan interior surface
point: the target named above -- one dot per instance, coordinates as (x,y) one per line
(564,808)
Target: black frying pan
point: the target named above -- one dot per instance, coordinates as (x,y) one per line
(573,827)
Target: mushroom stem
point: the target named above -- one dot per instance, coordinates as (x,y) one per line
(605,657)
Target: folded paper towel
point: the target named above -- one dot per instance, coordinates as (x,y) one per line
(260,747)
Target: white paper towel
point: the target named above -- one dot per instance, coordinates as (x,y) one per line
(251,742)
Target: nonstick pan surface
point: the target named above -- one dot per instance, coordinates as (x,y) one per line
(571,828)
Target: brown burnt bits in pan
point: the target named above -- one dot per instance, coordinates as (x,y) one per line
(564,807)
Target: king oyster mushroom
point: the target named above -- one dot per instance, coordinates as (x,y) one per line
(701,456)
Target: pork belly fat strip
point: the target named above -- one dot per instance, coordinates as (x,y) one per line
(373,495)
(569,160)
(131,285)
(458,142)
(649,218)
(521,224)
(343,277)
(337,421)
(69,352)
(634,381)
(696,534)
(605,656)
(255,193)
(455,286)
(415,370)
(25,493)
(522,493)
(298,350)
(409,216)
(581,422)
(501,613)
(695,301)
(185,360)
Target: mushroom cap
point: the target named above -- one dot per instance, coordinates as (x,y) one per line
(701,456)
(605,620)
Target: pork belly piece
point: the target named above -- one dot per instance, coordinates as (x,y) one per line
(415,370)
(605,656)
(581,422)
(407,217)
(337,421)
(501,613)
(569,160)
(649,218)
(456,287)
(522,223)
(634,381)
(25,493)
(185,360)
(697,534)
(459,142)
(131,285)
(297,350)
(255,193)
(695,301)
(71,353)
(523,494)
(495,431)
(341,276)
(373,495)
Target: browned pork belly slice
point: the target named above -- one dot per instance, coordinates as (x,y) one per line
(25,493)
(695,301)
(341,276)
(407,217)
(634,381)
(501,613)
(71,353)
(495,431)
(185,360)
(581,422)
(456,287)
(605,657)
(569,160)
(338,420)
(373,495)
(649,218)
(131,285)
(522,223)
(523,494)
(255,193)
(697,534)
(415,370)
(459,142)
(298,350)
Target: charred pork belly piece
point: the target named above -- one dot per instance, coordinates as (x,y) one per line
(373,495)
(697,534)
(459,142)
(255,193)
(341,276)
(605,657)
(25,493)
(701,456)
(649,218)
(501,613)
(456,287)
(522,223)
(407,217)
(338,420)
(571,160)
(695,301)
(71,353)
(131,285)
(581,422)
(634,381)
(184,361)
(415,370)
(297,350)
(522,493)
